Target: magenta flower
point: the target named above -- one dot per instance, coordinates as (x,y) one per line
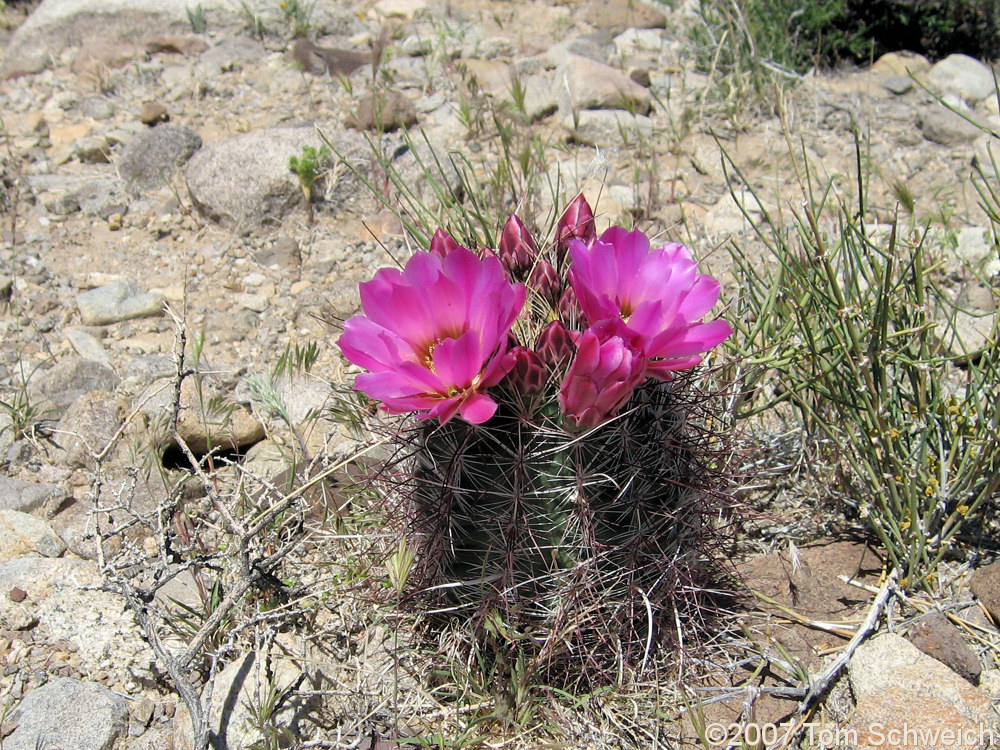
(608,367)
(658,294)
(433,336)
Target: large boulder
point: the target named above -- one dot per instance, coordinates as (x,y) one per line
(57,25)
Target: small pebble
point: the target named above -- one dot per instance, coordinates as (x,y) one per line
(898,85)
(153,112)
(18,594)
(115,222)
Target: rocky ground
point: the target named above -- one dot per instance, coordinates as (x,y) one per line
(147,199)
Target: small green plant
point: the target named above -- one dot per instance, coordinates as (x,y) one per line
(305,168)
(252,20)
(264,708)
(866,344)
(196,17)
(297,14)
(188,619)
(25,413)
(399,566)
(297,358)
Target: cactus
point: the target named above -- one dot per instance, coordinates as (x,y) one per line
(577,503)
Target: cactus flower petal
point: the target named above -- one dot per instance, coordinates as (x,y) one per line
(477,409)
(608,367)
(433,336)
(658,293)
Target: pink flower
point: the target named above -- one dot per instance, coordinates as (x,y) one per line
(658,294)
(433,336)
(608,367)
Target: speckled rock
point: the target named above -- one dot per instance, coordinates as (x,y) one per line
(897,686)
(244,182)
(152,157)
(55,389)
(67,713)
(117,301)
(22,534)
(40,499)
(588,84)
(963,76)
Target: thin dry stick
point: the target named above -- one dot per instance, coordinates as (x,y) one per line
(819,686)
(923,606)
(843,629)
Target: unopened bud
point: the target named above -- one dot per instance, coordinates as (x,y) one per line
(442,243)
(569,306)
(576,223)
(527,372)
(517,249)
(545,281)
(555,346)
(608,367)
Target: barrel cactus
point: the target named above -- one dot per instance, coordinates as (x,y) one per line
(559,474)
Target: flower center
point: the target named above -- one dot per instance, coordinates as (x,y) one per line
(627,308)
(425,353)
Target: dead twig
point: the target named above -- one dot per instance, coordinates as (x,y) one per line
(819,686)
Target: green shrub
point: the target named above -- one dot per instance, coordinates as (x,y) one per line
(800,35)
(855,323)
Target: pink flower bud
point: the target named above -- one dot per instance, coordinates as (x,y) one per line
(442,243)
(527,372)
(555,345)
(606,371)
(576,223)
(545,281)
(517,249)
(569,306)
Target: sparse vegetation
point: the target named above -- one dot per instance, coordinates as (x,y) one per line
(196,17)
(870,352)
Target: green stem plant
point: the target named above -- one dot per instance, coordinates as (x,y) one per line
(853,320)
